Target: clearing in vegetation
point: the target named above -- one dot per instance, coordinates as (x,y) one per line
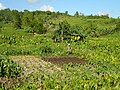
(66,60)
(32,64)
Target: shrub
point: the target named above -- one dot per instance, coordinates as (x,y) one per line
(16,51)
(8,67)
(45,50)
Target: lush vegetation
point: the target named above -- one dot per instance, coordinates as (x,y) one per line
(94,38)
(8,67)
(92,76)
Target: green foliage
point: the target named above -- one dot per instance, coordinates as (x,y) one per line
(16,19)
(8,39)
(79,33)
(33,24)
(8,67)
(0,28)
(27,18)
(46,50)
(38,27)
(66,12)
(28,86)
(62,32)
(76,14)
(5,16)
(38,21)
(101,49)
(98,16)
(29,29)
(13,51)
(70,33)
(92,76)
(117,27)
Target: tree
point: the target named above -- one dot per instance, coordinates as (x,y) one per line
(64,27)
(63,31)
(5,15)
(78,31)
(37,27)
(76,14)
(66,12)
(117,27)
(16,19)
(25,22)
(0,28)
(27,19)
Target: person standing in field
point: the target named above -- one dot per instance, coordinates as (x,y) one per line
(69,49)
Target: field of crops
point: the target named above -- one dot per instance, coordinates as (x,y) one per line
(34,51)
(99,72)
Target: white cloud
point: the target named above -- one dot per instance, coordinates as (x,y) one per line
(34,1)
(47,8)
(102,13)
(2,6)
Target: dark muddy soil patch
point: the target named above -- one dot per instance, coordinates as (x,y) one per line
(65,60)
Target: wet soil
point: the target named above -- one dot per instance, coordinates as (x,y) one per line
(65,60)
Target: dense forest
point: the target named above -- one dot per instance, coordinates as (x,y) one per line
(34,43)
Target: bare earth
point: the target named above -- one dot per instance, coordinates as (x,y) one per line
(33,64)
(65,60)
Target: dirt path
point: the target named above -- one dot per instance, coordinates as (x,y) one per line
(31,64)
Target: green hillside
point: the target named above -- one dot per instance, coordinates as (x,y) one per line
(94,39)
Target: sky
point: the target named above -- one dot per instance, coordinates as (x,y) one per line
(100,7)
